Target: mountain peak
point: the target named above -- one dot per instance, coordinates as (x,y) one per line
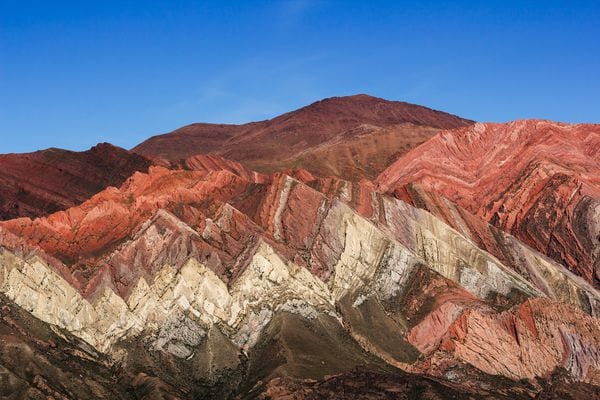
(379,111)
(309,137)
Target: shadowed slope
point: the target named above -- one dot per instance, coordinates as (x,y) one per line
(40,183)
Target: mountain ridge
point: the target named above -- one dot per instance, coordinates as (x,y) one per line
(536,179)
(201,277)
(294,139)
(250,258)
(45,181)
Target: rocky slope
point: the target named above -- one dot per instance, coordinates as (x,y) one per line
(47,181)
(351,137)
(213,280)
(537,180)
(467,270)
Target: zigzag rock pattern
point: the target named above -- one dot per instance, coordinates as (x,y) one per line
(213,280)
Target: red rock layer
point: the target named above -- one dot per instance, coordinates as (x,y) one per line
(40,183)
(530,340)
(208,162)
(538,180)
(81,234)
(351,137)
(507,248)
(219,212)
(165,217)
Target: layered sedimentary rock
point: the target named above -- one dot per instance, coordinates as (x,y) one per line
(260,283)
(552,278)
(351,137)
(468,269)
(41,183)
(537,180)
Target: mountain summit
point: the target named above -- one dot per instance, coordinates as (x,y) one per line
(351,137)
(466,269)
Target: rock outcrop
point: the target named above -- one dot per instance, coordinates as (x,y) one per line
(468,269)
(217,262)
(537,180)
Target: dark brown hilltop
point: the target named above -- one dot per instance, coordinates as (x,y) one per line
(350,137)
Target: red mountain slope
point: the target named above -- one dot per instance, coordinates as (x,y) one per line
(538,180)
(46,181)
(201,278)
(351,137)
(269,265)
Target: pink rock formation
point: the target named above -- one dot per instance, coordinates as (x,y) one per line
(538,180)
(531,340)
(219,212)
(203,277)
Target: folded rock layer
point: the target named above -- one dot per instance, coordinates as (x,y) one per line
(537,180)
(213,280)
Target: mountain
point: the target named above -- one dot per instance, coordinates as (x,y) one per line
(537,180)
(214,281)
(40,183)
(260,261)
(351,137)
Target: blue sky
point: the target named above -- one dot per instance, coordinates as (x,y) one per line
(73,73)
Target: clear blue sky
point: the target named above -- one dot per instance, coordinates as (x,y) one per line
(73,73)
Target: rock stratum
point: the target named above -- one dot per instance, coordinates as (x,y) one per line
(199,277)
(268,284)
(537,180)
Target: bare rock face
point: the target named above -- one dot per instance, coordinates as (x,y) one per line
(351,137)
(285,278)
(107,218)
(537,180)
(467,270)
(41,183)
(525,339)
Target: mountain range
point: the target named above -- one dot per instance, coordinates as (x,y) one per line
(356,248)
